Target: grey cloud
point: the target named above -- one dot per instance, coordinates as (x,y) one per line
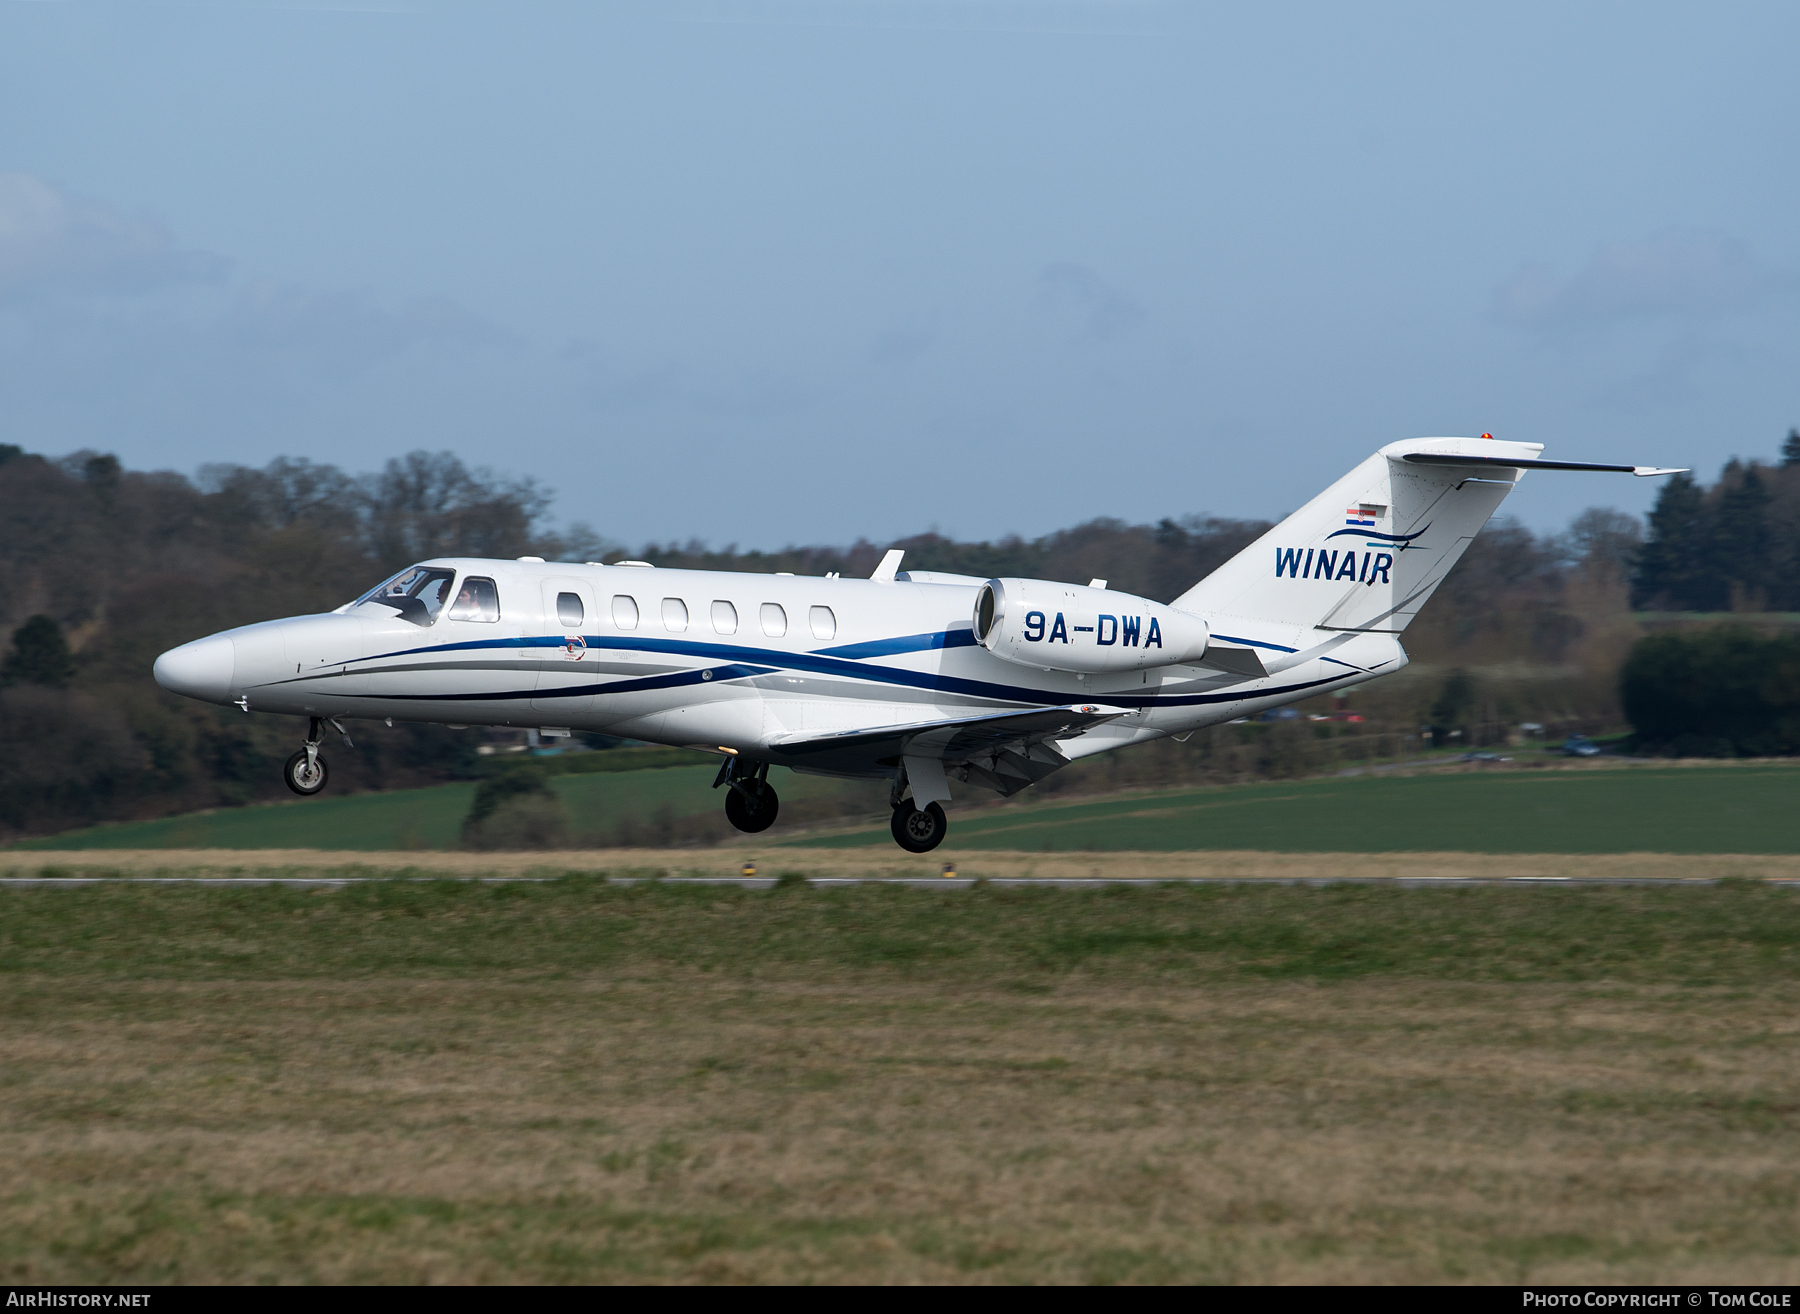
(1681,274)
(53,241)
(1104,311)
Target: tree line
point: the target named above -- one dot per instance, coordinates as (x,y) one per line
(1732,547)
(107,567)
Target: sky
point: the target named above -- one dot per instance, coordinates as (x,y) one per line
(786,271)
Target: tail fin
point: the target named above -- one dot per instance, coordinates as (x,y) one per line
(1368,552)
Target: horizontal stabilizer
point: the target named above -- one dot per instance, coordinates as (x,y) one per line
(1518,463)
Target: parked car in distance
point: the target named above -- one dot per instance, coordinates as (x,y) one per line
(1580,746)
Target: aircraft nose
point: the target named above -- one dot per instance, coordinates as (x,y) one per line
(201,669)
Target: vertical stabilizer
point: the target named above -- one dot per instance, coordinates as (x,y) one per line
(1368,552)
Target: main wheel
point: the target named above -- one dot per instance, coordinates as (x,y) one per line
(757,812)
(303,779)
(919,830)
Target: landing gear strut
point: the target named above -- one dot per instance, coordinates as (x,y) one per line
(751,804)
(306,772)
(916,829)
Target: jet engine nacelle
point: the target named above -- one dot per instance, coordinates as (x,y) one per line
(1064,627)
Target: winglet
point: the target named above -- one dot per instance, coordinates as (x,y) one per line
(889,567)
(1647,471)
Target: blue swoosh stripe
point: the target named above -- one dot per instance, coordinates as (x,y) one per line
(959,638)
(675,681)
(819,663)
(1254,643)
(874,675)
(1370,533)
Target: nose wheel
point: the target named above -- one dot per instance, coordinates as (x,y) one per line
(919,830)
(306,772)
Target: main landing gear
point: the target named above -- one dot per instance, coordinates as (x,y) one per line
(306,772)
(751,804)
(916,829)
(919,830)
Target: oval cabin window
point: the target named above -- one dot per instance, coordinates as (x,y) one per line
(569,609)
(625,612)
(674,615)
(824,623)
(774,620)
(724,617)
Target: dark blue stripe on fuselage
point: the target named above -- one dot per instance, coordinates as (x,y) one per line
(675,681)
(815,663)
(906,643)
(1254,643)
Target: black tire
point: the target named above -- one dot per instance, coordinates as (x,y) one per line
(299,780)
(755,813)
(919,830)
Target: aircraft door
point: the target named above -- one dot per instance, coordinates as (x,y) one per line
(567,677)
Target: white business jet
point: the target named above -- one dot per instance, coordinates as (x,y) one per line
(918,678)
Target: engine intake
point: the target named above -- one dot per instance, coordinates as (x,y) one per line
(1065,627)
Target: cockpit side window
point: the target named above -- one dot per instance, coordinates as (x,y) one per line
(476,600)
(417,593)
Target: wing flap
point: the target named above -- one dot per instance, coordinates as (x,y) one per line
(990,741)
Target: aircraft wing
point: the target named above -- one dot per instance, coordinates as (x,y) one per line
(1003,750)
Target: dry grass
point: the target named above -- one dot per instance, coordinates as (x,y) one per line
(886,861)
(736,1092)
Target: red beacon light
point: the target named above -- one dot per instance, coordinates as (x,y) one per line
(1488,436)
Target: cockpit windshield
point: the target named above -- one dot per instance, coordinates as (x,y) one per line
(417,593)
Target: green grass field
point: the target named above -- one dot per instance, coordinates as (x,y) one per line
(411,818)
(1724,809)
(582,1082)
(1749,809)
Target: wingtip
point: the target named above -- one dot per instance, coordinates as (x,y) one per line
(1650,471)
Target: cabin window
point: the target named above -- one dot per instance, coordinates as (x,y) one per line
(417,593)
(824,623)
(724,617)
(674,615)
(476,600)
(774,620)
(624,612)
(569,609)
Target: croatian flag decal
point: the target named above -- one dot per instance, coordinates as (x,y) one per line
(1360,518)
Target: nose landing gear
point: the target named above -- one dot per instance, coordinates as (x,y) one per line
(751,805)
(306,772)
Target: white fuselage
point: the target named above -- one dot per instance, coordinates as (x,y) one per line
(724,660)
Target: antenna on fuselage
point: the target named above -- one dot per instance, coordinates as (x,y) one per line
(889,567)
